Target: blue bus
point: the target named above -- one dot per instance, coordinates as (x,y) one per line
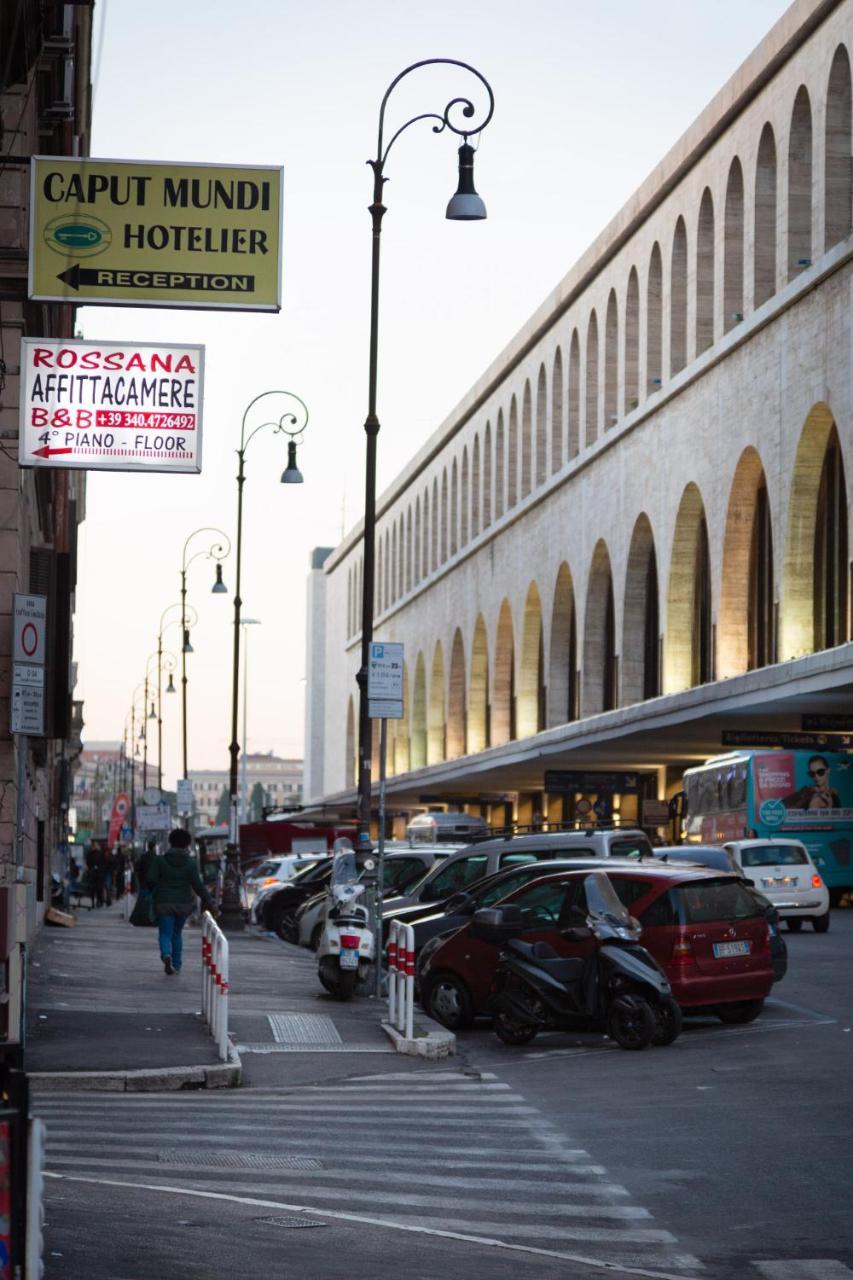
(762,794)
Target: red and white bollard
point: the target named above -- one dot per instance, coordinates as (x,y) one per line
(401,977)
(214,982)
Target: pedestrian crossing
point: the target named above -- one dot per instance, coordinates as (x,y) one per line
(437,1152)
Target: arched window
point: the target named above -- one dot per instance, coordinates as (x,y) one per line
(443,516)
(407,585)
(434,560)
(574,395)
(487,476)
(592,380)
(454,509)
(765,219)
(526,440)
(417,555)
(678,300)
(632,342)
(837,150)
(388,566)
(611,363)
(541,426)
(512,457)
(654,332)
(349,603)
(392,595)
(427,536)
(500,467)
(378,584)
(705,274)
(557,428)
(800,185)
(830,554)
(475,488)
(463,510)
(733,249)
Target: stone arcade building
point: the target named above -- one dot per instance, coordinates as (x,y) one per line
(632,532)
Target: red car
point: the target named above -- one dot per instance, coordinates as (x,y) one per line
(707,930)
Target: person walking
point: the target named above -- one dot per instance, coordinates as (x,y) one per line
(174,879)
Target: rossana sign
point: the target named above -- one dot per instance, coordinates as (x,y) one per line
(111,406)
(152,233)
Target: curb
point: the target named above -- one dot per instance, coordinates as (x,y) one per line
(430,1040)
(225,1075)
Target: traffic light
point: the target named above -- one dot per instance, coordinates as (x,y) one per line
(34,1247)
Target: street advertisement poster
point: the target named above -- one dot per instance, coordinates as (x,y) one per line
(801,789)
(111,406)
(145,233)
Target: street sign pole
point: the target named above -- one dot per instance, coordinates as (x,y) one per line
(380,870)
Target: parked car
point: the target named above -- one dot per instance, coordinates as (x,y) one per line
(782,869)
(719,859)
(488,856)
(276,871)
(706,929)
(402,868)
(444,828)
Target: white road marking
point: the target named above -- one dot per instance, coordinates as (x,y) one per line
(804,1269)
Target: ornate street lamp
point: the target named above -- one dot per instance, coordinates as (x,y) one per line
(189,615)
(215,551)
(464,206)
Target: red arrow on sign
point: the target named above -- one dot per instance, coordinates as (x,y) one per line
(47,452)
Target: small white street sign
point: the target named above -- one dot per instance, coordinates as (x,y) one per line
(384,709)
(26,673)
(385,672)
(30,629)
(27,711)
(153,817)
(185,795)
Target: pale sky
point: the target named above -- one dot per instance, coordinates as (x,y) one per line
(589,97)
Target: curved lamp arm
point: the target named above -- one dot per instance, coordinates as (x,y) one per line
(443,118)
(297,421)
(216,551)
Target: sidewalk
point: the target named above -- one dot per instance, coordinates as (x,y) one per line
(100,1002)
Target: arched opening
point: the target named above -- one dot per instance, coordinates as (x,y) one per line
(814,599)
(800,185)
(837,212)
(401,730)
(475,488)
(417,555)
(678,300)
(654,327)
(574,395)
(503,696)
(408,580)
(378,588)
(393,592)
(705,274)
(478,699)
(764,265)
(463,509)
(526,440)
(563,652)
(611,363)
(454,508)
(632,342)
(599,638)
(401,562)
(733,249)
(418,739)
(349,757)
(746,626)
(500,467)
(349,603)
(641,618)
(444,516)
(531,673)
(592,380)
(557,428)
(512,456)
(456,734)
(434,561)
(388,566)
(688,657)
(435,711)
(487,477)
(541,450)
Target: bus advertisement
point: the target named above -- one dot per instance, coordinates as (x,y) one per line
(804,794)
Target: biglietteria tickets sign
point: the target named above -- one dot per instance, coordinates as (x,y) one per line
(155,234)
(110,406)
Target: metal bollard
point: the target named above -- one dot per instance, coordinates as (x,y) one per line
(401,977)
(214,982)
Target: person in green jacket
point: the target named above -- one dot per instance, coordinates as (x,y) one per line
(174,879)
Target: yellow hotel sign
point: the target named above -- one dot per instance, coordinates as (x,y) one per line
(153,234)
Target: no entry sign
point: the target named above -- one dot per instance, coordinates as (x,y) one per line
(111,406)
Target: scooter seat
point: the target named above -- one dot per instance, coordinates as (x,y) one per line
(543,955)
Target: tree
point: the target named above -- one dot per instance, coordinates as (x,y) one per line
(256,802)
(223,809)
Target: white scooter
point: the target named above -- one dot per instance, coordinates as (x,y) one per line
(347,946)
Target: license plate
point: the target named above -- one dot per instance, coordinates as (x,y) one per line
(781,882)
(723,949)
(349,959)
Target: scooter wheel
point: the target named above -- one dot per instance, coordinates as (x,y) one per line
(630,1022)
(511,1031)
(667,1021)
(346,984)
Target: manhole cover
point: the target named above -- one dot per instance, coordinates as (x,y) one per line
(291,1223)
(237,1160)
(303,1028)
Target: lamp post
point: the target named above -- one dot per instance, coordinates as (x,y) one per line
(216,551)
(244,798)
(167,662)
(191,617)
(291,424)
(464,206)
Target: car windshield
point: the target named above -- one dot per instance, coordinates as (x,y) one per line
(265,869)
(772,855)
(635,847)
(709,900)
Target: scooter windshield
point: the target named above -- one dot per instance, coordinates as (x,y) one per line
(601,900)
(344,869)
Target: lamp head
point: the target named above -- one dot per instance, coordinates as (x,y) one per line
(219,588)
(152,714)
(292,475)
(171,686)
(187,647)
(466,205)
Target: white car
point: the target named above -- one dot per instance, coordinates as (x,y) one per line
(782,870)
(276,870)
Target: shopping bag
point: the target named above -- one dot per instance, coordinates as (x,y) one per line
(144,912)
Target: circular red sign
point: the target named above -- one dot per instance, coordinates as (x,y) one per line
(29,639)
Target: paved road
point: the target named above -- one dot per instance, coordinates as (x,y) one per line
(724,1156)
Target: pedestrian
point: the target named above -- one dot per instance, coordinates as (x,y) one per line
(174,879)
(95,873)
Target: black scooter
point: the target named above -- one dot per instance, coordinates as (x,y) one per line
(620,988)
